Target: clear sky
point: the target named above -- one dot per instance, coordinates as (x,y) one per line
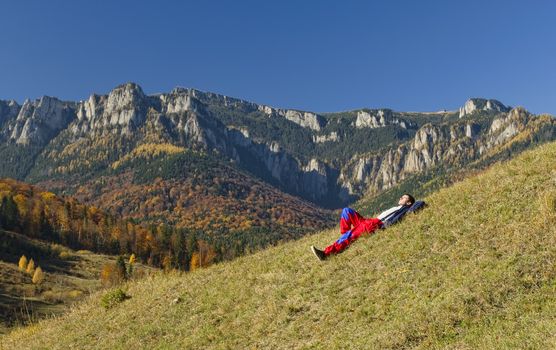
(315,55)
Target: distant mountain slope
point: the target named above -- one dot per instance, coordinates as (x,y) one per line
(476,269)
(198,192)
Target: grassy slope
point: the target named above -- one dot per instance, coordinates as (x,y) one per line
(476,269)
(67,280)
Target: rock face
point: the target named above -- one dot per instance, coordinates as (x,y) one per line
(38,121)
(8,111)
(332,137)
(178,101)
(126,106)
(432,145)
(481,104)
(379,119)
(305,119)
(315,179)
(507,126)
(310,180)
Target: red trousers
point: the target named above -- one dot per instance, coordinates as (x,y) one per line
(350,218)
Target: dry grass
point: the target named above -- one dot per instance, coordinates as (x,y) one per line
(69,277)
(474,270)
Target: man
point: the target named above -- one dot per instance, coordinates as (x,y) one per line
(350,218)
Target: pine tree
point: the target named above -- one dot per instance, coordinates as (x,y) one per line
(44,226)
(38,276)
(22,263)
(9,213)
(30,267)
(120,268)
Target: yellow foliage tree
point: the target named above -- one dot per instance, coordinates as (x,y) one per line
(195,262)
(31,267)
(22,263)
(130,265)
(47,196)
(38,276)
(109,275)
(203,257)
(21,202)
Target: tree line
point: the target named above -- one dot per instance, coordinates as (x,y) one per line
(39,214)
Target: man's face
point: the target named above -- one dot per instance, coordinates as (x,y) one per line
(404,200)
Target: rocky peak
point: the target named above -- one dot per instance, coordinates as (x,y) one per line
(39,121)
(125,106)
(481,104)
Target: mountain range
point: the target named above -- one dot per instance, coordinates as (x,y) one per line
(227,167)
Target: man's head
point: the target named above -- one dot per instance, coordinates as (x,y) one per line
(406,199)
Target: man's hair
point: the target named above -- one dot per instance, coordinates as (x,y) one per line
(410,197)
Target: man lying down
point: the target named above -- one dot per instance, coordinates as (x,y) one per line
(353,224)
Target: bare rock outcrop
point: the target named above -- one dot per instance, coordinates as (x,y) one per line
(481,104)
(38,121)
(378,119)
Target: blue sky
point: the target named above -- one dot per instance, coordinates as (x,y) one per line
(313,55)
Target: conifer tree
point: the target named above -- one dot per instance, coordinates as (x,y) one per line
(38,276)
(22,263)
(30,267)
(120,268)
(9,213)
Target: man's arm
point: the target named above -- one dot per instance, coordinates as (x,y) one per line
(385,213)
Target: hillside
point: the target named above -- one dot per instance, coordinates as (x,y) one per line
(476,269)
(70,276)
(164,184)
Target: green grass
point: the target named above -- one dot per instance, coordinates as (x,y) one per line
(476,269)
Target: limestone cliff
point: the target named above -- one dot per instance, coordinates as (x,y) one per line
(379,118)
(38,121)
(449,145)
(481,104)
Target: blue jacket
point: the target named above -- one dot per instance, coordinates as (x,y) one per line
(400,213)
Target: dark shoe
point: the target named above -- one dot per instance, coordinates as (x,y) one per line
(318,253)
